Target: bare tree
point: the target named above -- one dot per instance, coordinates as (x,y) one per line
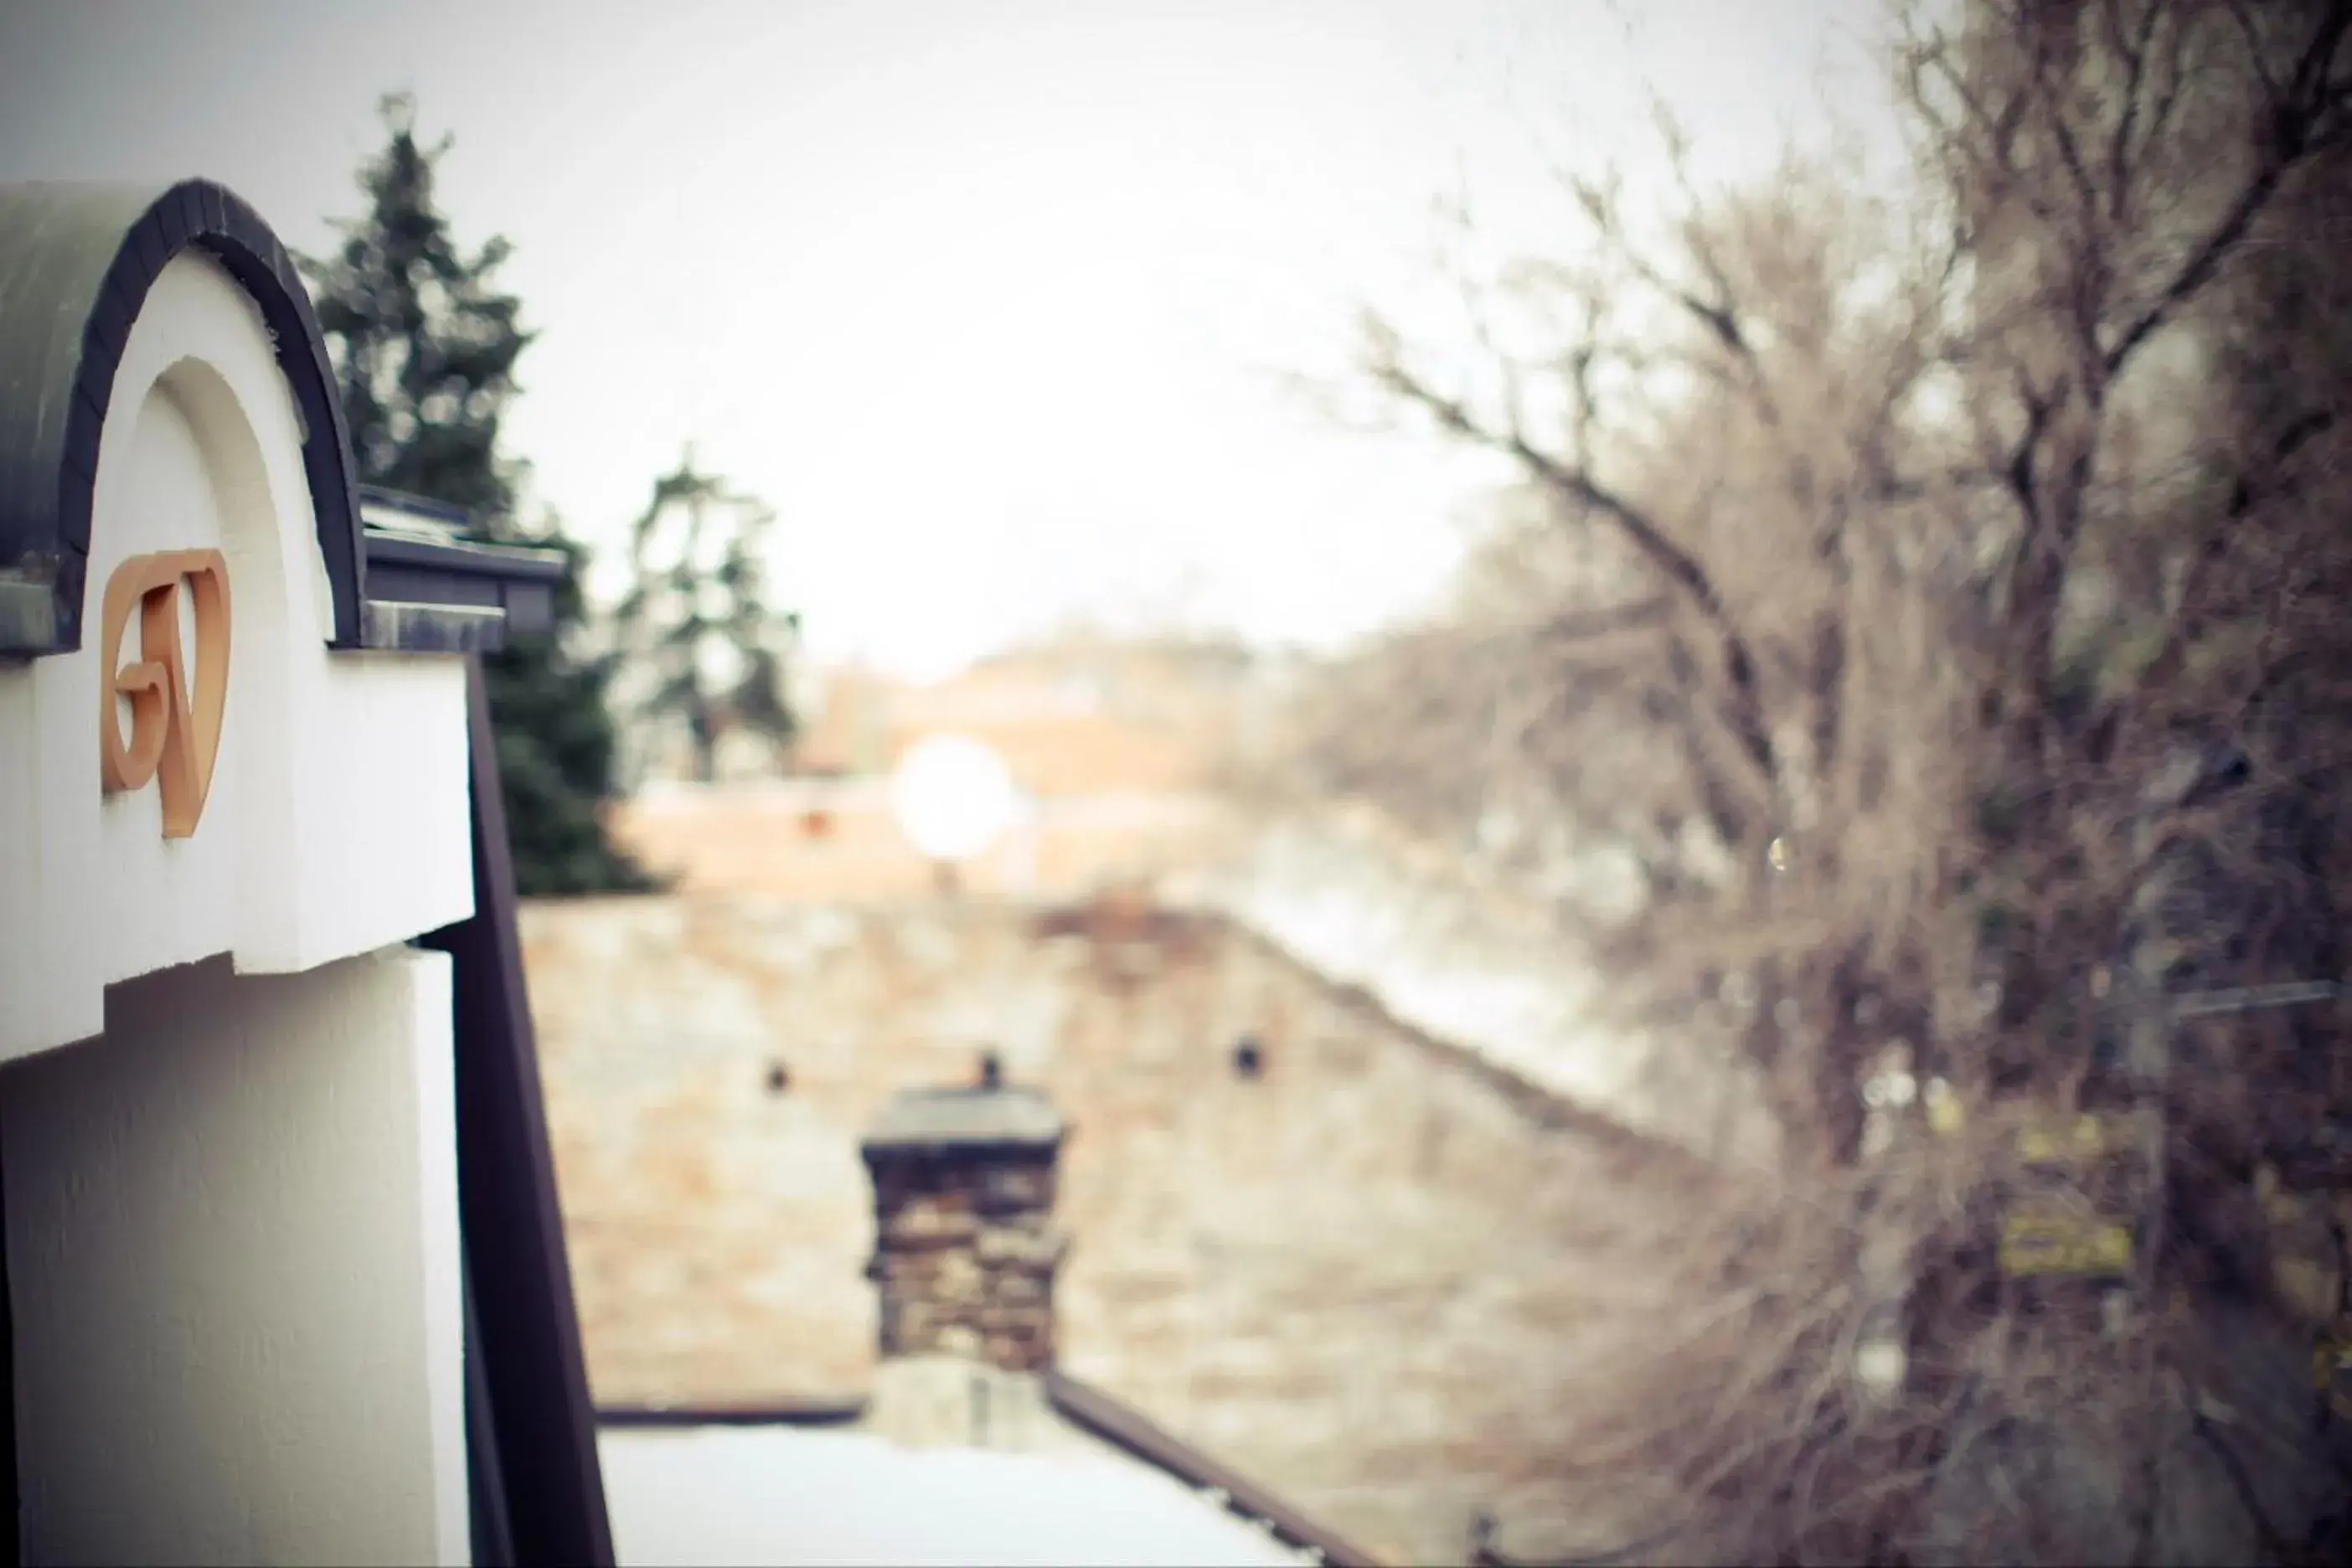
(1957,578)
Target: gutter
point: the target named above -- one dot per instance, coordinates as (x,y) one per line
(430,590)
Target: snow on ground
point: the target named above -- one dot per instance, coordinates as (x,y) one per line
(1465,964)
(716,1496)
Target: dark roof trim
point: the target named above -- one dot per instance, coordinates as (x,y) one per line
(770,1412)
(532,1386)
(454,520)
(77,261)
(430,591)
(1090,1408)
(461,558)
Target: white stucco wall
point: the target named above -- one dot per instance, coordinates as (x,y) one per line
(232,1233)
(337,820)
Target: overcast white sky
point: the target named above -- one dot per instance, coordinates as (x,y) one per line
(983,297)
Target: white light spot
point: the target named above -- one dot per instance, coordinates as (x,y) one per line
(1880,1366)
(952,796)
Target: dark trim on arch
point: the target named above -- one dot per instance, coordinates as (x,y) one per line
(76,263)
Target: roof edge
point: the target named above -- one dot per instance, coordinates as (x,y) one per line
(1123,1426)
(77,261)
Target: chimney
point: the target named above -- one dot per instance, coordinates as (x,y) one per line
(965,1248)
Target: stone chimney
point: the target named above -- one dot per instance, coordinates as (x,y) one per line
(965,1248)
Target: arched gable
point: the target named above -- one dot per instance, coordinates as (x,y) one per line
(77,262)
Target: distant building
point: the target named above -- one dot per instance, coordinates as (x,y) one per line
(1072,717)
(973,1446)
(1116,749)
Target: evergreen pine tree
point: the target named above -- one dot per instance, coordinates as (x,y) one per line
(696,619)
(425,346)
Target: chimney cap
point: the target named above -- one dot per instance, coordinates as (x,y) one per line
(918,1120)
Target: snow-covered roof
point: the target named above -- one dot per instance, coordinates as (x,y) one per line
(783,1495)
(1467,964)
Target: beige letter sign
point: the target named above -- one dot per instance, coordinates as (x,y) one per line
(175,724)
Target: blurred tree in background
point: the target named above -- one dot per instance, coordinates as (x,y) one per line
(696,623)
(1938,598)
(425,346)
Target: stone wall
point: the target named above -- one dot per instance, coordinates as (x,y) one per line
(1359,1276)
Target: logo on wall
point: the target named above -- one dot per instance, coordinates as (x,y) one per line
(175,720)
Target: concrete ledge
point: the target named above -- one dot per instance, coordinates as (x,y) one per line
(398,626)
(938,1120)
(1089,1408)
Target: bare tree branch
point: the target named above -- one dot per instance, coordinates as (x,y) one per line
(2260,483)
(2300,125)
(1678,566)
(2133,48)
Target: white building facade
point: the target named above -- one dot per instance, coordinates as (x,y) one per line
(239,783)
